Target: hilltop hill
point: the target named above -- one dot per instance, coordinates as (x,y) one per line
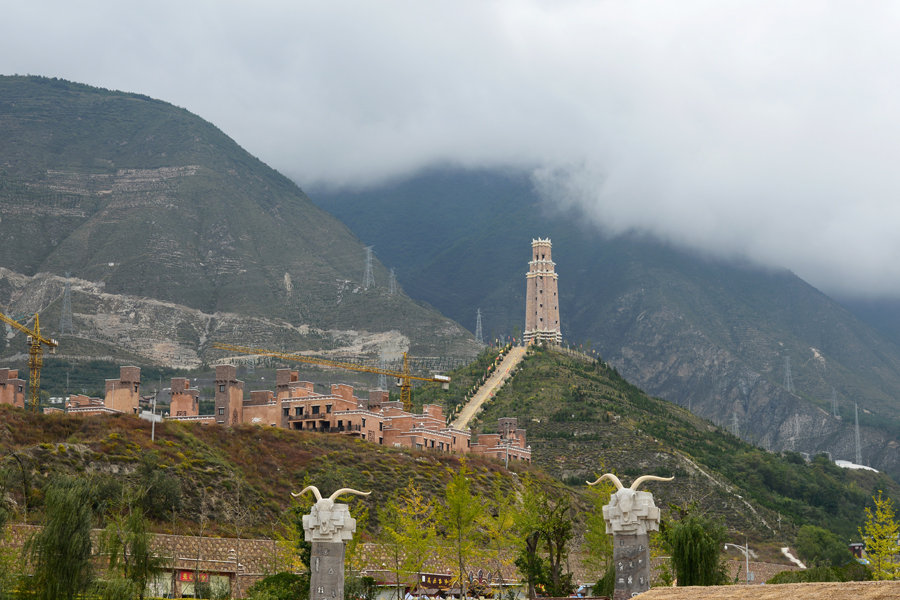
(175,237)
(711,335)
(582,418)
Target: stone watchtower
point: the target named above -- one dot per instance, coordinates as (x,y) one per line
(541,296)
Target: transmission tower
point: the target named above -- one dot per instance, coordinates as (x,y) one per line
(788,380)
(65,319)
(834,404)
(392,283)
(368,277)
(735,425)
(382,378)
(858,447)
(479,333)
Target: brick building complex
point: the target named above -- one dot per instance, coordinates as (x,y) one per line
(541,296)
(294,405)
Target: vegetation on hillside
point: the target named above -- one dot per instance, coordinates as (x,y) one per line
(579,413)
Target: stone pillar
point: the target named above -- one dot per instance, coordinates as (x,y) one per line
(326,571)
(631,555)
(328,526)
(630,516)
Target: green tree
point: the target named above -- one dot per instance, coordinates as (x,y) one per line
(60,551)
(598,545)
(544,521)
(459,518)
(408,531)
(695,543)
(499,526)
(127,542)
(880,535)
(820,547)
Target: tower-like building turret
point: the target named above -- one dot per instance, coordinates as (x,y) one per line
(541,296)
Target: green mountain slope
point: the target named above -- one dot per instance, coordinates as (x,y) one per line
(138,199)
(710,335)
(582,418)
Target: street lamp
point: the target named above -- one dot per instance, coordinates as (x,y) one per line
(746,550)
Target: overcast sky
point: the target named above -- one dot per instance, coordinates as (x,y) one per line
(766,130)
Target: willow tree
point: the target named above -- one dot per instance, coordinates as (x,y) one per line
(696,544)
(60,551)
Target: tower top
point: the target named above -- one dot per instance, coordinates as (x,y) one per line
(541,242)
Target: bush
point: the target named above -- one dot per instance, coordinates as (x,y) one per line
(281,586)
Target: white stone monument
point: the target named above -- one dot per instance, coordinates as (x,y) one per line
(630,516)
(327,527)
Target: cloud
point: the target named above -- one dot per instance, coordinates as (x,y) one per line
(760,129)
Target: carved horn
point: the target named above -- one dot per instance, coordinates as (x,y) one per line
(335,495)
(314,489)
(643,478)
(609,476)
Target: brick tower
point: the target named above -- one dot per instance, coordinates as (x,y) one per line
(541,298)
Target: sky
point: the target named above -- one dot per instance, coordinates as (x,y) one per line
(765,130)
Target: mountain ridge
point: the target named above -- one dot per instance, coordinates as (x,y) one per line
(145,200)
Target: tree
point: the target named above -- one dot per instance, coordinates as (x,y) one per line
(60,552)
(459,518)
(127,542)
(695,543)
(820,547)
(499,526)
(880,535)
(598,545)
(408,531)
(544,521)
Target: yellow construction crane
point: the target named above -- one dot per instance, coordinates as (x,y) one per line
(35,355)
(404,377)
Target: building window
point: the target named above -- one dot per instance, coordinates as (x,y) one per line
(286,411)
(136,387)
(364,422)
(315,410)
(221,387)
(298,410)
(381,426)
(380,440)
(221,410)
(328,408)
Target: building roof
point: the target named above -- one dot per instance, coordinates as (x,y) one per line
(858,590)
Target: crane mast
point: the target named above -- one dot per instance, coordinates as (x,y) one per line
(36,343)
(403,376)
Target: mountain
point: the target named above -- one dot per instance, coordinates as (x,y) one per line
(715,336)
(174,237)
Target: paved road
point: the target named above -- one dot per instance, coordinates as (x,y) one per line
(486,391)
